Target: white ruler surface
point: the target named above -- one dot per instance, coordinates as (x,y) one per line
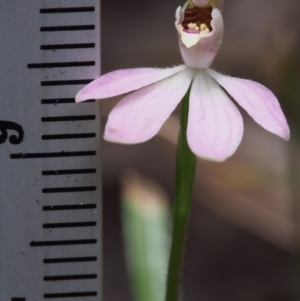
(50,188)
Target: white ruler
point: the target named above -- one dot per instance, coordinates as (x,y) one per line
(50,187)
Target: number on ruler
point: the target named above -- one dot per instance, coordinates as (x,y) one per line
(8,125)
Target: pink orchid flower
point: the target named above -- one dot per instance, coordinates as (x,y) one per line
(215,125)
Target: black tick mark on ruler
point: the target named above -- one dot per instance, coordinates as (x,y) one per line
(67,10)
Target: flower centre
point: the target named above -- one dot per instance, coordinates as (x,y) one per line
(197,19)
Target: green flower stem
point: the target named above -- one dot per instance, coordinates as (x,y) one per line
(185,173)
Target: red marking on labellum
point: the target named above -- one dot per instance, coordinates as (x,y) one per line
(197,15)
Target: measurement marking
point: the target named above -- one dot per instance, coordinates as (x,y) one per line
(57,100)
(69,225)
(69,259)
(67,46)
(68,136)
(68,118)
(62,101)
(69,189)
(70,277)
(67,10)
(68,172)
(52,155)
(61,64)
(69,207)
(51,243)
(66,82)
(67,295)
(67,28)
(18,299)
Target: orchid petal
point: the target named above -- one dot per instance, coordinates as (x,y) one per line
(140,115)
(213,3)
(201,2)
(124,81)
(215,125)
(260,103)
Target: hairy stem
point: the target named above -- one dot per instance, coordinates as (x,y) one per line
(185,173)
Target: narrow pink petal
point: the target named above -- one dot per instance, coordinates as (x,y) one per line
(260,103)
(123,81)
(215,125)
(201,2)
(140,115)
(214,3)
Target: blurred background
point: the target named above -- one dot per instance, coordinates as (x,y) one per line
(242,238)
